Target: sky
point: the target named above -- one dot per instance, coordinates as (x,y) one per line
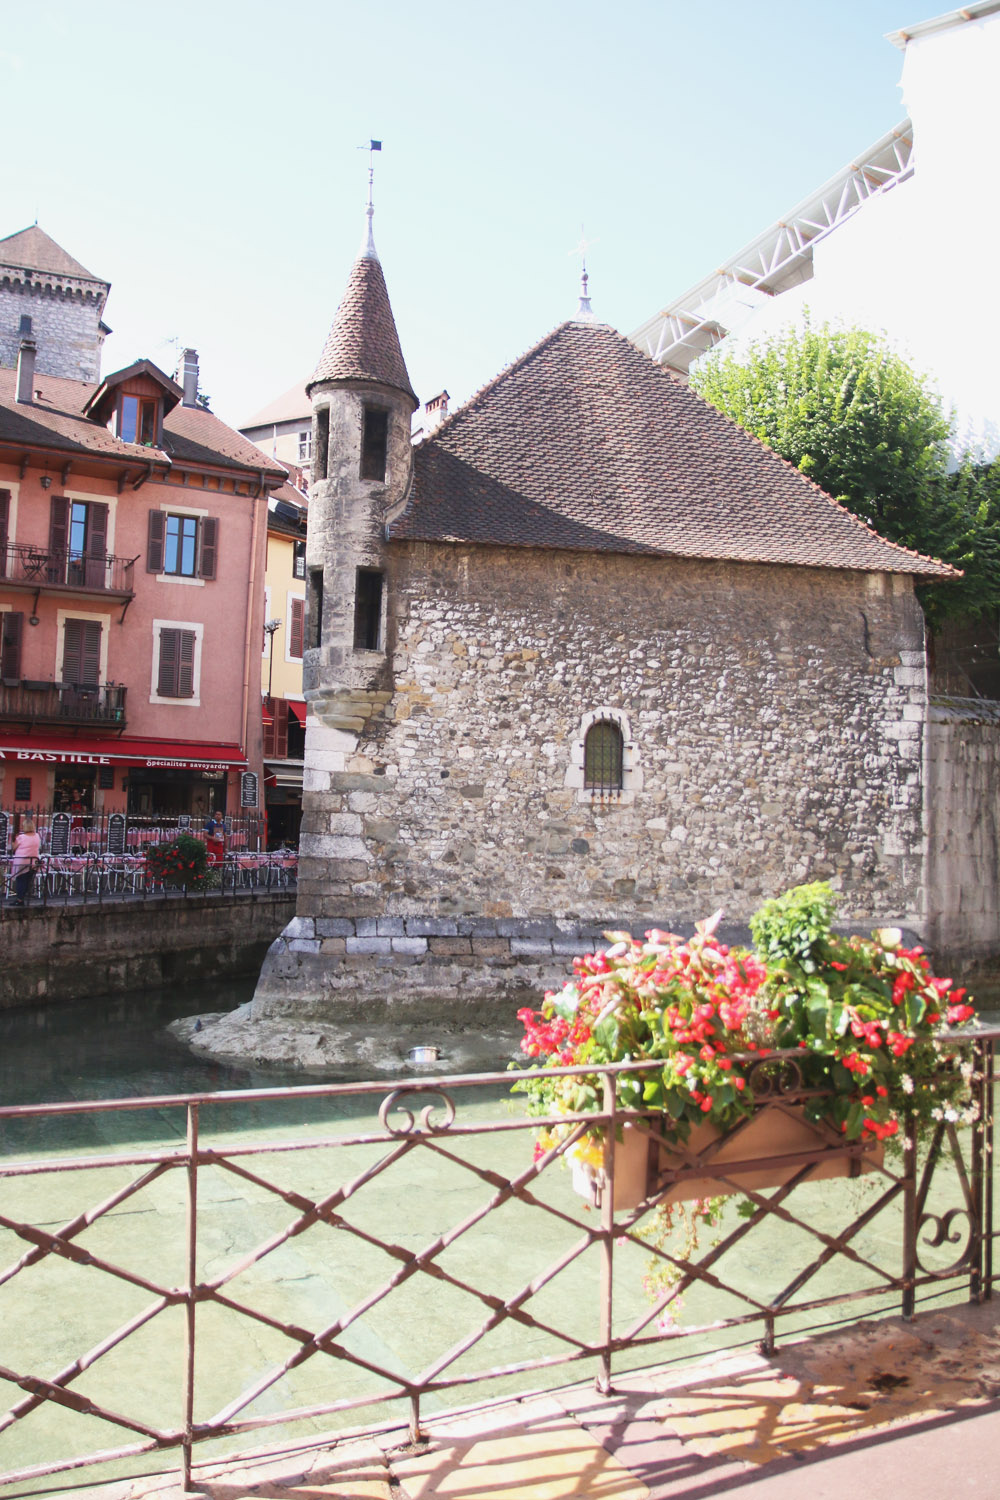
(203,158)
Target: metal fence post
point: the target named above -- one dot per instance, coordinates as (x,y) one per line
(189,1299)
(608,1237)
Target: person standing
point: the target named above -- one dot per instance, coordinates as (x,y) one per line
(27,850)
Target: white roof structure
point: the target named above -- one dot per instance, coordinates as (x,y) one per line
(779,258)
(880,245)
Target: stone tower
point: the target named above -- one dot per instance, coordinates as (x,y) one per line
(362,468)
(48,297)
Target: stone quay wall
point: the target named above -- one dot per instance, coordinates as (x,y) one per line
(964,846)
(69,952)
(773,723)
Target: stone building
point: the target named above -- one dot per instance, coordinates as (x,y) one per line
(48,296)
(587,657)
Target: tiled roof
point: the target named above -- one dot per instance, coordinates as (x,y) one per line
(55,420)
(585,444)
(363,343)
(34,250)
(293,406)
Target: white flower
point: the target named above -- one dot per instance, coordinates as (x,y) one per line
(907,1083)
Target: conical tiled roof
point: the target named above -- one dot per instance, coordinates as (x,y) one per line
(363,344)
(34,250)
(585,444)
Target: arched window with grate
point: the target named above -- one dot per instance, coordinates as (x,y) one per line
(603,759)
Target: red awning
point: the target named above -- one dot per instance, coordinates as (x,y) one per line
(298,709)
(185,755)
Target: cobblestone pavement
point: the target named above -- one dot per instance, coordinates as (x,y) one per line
(889,1406)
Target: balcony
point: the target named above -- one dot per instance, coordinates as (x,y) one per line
(66,570)
(62,704)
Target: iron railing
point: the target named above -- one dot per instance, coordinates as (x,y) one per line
(96,879)
(27,701)
(479,1252)
(108,832)
(67,568)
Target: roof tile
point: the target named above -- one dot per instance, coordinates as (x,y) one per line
(585,444)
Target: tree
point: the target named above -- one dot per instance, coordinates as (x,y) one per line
(850,413)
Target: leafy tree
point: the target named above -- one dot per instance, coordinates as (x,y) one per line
(850,413)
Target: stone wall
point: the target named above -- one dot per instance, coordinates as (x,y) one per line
(773,720)
(72,952)
(964,847)
(65,324)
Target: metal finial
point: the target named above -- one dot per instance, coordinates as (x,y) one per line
(584,311)
(368,250)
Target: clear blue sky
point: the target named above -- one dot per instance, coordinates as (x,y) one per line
(202,158)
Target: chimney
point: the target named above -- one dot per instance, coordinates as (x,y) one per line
(190,377)
(26,371)
(437,410)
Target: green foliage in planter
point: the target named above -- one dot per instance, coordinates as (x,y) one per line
(180,862)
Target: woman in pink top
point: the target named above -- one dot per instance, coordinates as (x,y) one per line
(27,848)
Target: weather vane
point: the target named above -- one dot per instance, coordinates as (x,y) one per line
(584,309)
(368,247)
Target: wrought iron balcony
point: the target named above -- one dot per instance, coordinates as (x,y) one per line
(27,701)
(66,569)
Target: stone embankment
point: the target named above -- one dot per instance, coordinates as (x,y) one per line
(71,952)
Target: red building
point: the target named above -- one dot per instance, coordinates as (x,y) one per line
(133,528)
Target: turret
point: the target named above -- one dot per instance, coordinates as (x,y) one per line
(362,465)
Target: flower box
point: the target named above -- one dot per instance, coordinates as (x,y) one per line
(765,1151)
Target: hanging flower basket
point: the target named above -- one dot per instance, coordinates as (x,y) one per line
(775,1145)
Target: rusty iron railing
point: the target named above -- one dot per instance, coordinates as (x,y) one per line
(418,1121)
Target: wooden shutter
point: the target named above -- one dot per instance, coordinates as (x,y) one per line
(280,729)
(296,633)
(185,664)
(97,544)
(58,538)
(208,560)
(11,629)
(267,717)
(176,675)
(154,541)
(4,530)
(82,653)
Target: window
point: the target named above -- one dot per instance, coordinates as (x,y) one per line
(305,446)
(183,546)
(315,607)
(602,757)
(604,760)
(175,674)
(78,542)
(296,633)
(11,632)
(374,443)
(368,610)
(139,420)
(81,663)
(299,562)
(322,425)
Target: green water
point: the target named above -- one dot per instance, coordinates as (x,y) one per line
(54,1310)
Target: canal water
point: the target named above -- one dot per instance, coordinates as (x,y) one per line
(54,1310)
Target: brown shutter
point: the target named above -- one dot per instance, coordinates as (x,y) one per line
(166,682)
(4,526)
(10,644)
(154,541)
(280,729)
(268,724)
(82,653)
(58,538)
(208,560)
(97,544)
(185,664)
(298,626)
